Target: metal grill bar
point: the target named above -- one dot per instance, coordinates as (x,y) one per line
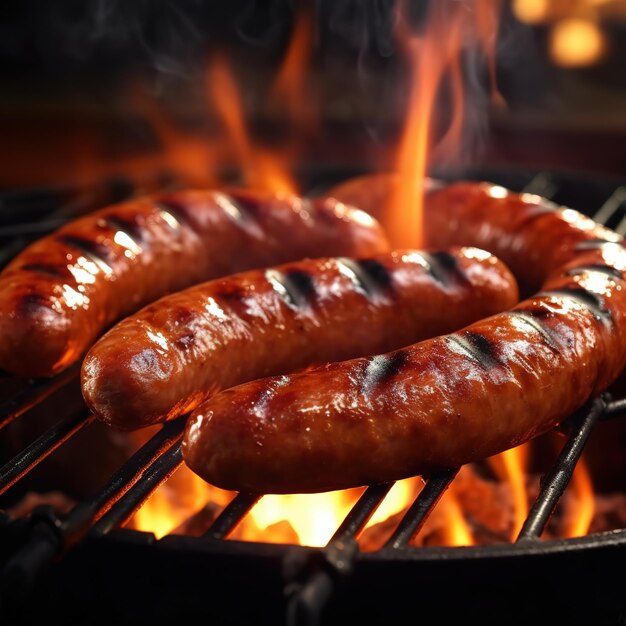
(232,514)
(51,535)
(41,448)
(157,473)
(615,408)
(311,582)
(421,508)
(131,471)
(543,184)
(31,395)
(556,480)
(361,512)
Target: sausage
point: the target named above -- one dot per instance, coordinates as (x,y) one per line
(445,401)
(468,213)
(63,291)
(163,361)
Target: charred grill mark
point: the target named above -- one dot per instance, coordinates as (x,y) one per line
(374,276)
(382,368)
(476,346)
(296,287)
(535,212)
(444,267)
(32,302)
(183,316)
(128,226)
(247,206)
(594,303)
(185,342)
(301,283)
(599,268)
(92,249)
(350,268)
(46,270)
(177,211)
(596,244)
(533,318)
(234,207)
(231,292)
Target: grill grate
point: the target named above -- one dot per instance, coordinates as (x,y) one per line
(310,576)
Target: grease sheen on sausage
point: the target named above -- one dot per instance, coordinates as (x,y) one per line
(164,360)
(449,400)
(60,293)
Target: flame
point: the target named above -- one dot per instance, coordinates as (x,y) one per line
(291,89)
(456,529)
(192,157)
(171,504)
(313,517)
(261,168)
(581,491)
(510,466)
(434,63)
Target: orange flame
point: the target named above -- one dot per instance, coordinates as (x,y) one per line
(434,62)
(456,530)
(581,490)
(261,169)
(193,158)
(291,88)
(510,467)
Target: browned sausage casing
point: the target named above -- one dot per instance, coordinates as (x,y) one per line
(164,360)
(61,292)
(445,401)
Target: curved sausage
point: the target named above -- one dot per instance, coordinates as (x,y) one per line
(446,401)
(164,360)
(61,292)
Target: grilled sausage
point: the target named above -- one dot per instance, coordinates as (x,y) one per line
(163,361)
(445,401)
(61,292)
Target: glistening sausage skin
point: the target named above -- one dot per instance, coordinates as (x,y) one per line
(449,400)
(164,360)
(63,291)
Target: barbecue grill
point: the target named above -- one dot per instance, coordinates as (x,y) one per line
(86,568)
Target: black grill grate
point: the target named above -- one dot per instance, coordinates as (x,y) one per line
(311,580)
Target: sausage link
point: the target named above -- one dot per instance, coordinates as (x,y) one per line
(446,401)
(63,291)
(163,361)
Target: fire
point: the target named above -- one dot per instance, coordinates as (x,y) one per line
(456,530)
(581,490)
(291,89)
(313,517)
(511,466)
(261,168)
(434,59)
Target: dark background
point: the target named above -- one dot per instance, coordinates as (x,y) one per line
(67,69)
